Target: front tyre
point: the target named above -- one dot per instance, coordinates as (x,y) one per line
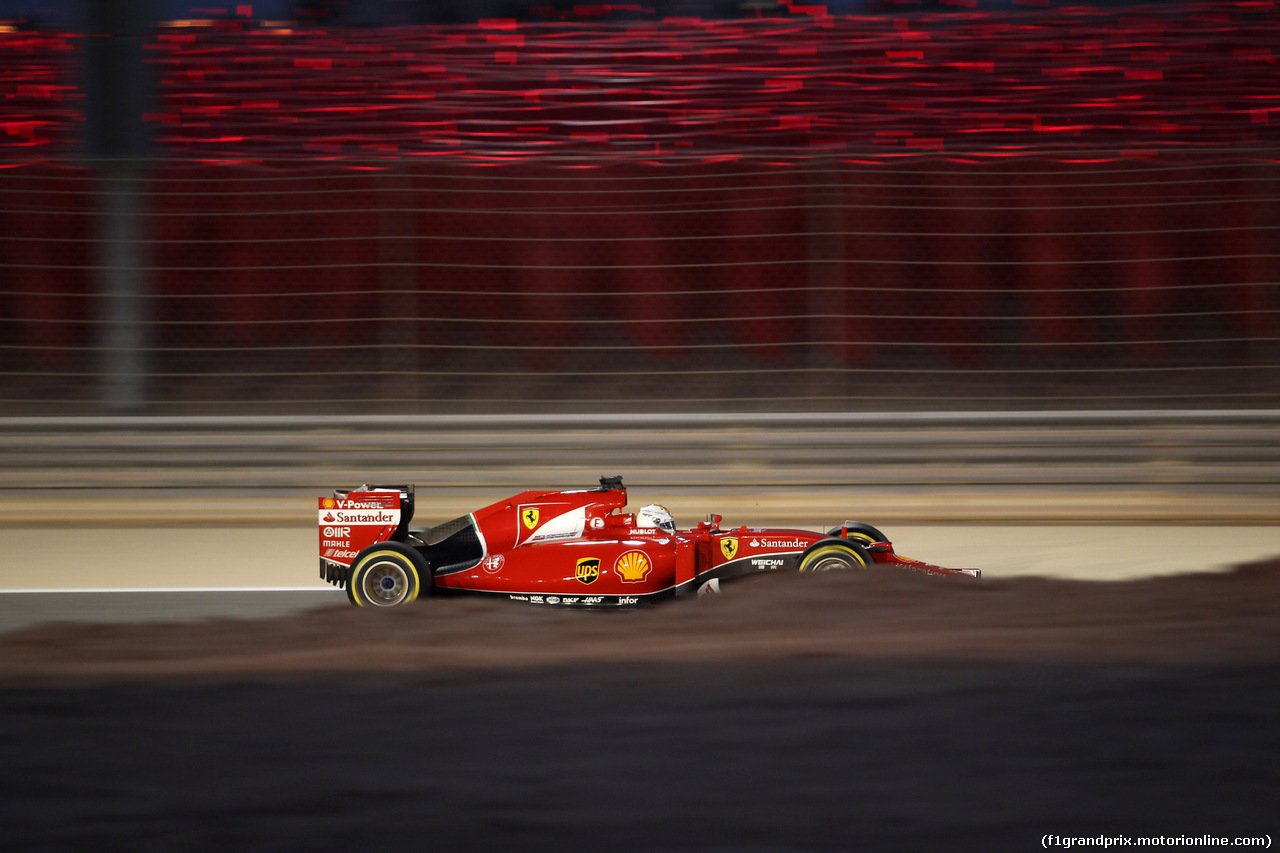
(385,575)
(833,557)
(863,534)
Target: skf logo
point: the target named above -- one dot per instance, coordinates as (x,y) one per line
(530,517)
(588,569)
(632,566)
(729,547)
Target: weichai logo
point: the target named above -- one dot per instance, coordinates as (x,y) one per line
(587,570)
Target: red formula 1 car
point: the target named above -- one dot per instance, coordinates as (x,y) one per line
(567,548)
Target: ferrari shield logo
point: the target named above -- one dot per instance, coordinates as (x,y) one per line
(729,547)
(588,569)
(530,517)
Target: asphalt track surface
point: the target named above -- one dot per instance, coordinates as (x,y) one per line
(867,711)
(131,574)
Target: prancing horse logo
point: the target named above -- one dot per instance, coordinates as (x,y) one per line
(729,547)
(530,517)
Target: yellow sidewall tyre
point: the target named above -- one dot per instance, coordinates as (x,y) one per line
(383,577)
(826,558)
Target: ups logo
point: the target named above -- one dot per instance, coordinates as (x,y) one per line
(588,569)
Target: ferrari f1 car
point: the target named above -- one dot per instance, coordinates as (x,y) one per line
(567,549)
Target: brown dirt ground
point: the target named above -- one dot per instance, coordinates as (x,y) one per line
(847,711)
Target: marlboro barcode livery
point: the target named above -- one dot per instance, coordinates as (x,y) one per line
(575,548)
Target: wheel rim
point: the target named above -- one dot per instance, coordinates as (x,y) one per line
(827,564)
(385,583)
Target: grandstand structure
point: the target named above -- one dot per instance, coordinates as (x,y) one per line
(916,209)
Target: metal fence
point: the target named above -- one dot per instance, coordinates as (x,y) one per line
(821,286)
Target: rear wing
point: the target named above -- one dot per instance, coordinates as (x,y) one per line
(406,504)
(354,519)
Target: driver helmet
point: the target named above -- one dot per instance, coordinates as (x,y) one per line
(656,515)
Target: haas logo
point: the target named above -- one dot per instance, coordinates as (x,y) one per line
(530,517)
(729,547)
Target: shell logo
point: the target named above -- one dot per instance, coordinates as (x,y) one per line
(632,566)
(329,504)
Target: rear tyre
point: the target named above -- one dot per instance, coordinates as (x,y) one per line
(385,575)
(833,557)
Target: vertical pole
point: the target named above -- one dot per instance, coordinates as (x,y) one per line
(824,276)
(398,282)
(117,93)
(121,281)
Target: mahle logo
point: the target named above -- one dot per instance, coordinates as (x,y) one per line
(729,547)
(588,569)
(530,517)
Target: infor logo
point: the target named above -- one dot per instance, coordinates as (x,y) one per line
(588,569)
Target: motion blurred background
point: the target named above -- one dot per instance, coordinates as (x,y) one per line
(992,275)
(905,246)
